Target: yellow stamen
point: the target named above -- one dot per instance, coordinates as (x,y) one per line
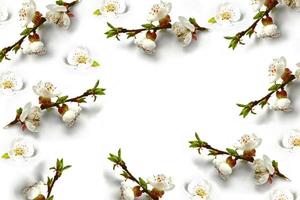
(201,192)
(296,142)
(8,84)
(110,7)
(82,59)
(19,151)
(225,15)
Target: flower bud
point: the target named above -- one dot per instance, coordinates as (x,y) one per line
(137,191)
(34,37)
(165,22)
(45,101)
(37,18)
(62,109)
(151,35)
(157,193)
(231,162)
(286,75)
(40,197)
(281,94)
(270,3)
(267,21)
(249,154)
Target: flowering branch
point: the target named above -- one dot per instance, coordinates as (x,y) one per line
(277,71)
(38,20)
(42,191)
(142,186)
(225,160)
(29,117)
(159,20)
(58,169)
(261,16)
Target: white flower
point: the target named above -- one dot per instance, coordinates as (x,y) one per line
(46,90)
(32,192)
(147,45)
(263,170)
(222,166)
(291,140)
(248,142)
(21,149)
(297,72)
(79,57)
(113,7)
(256,4)
(228,13)
(10,83)
(184,30)
(27,12)
(126,191)
(199,189)
(71,115)
(276,69)
(280,104)
(282,194)
(3,13)
(58,15)
(291,3)
(159,11)
(31,117)
(161,182)
(268,31)
(34,48)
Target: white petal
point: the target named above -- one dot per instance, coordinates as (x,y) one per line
(3,13)
(282,194)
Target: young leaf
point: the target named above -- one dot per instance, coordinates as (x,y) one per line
(212,20)
(5,156)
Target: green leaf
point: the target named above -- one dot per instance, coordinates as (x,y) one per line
(275,164)
(120,154)
(95,64)
(212,20)
(274,87)
(50,198)
(232,152)
(19,111)
(193,21)
(5,156)
(60,2)
(61,100)
(26,31)
(148,26)
(143,183)
(97,12)
(259,15)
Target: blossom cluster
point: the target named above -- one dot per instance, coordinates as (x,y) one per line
(159,19)
(277,98)
(264,25)
(264,168)
(134,188)
(31,19)
(43,190)
(49,97)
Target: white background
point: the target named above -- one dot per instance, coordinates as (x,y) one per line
(154,104)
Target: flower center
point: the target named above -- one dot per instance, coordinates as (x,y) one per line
(296,142)
(282,197)
(19,151)
(49,87)
(201,192)
(82,59)
(111,7)
(8,84)
(226,16)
